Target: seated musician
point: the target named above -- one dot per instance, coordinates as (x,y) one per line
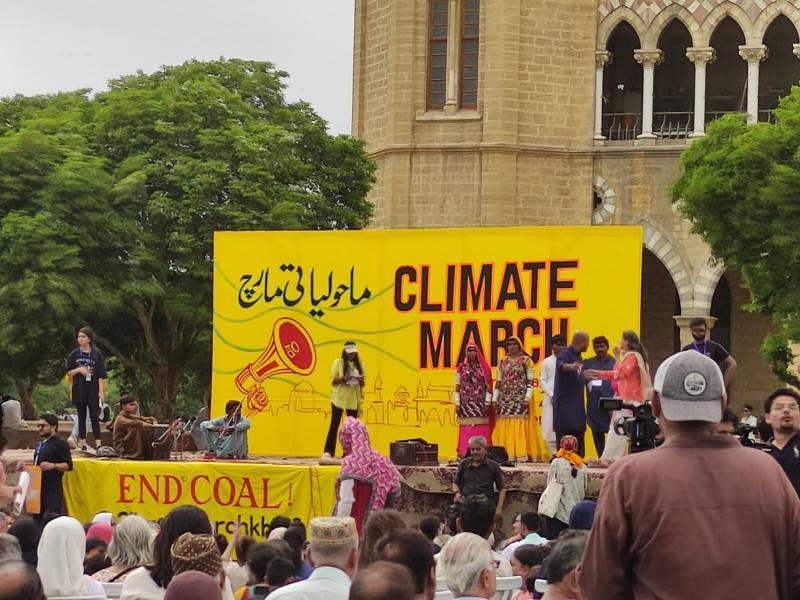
(132,432)
(226,437)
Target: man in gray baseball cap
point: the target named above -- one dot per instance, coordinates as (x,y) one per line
(666,521)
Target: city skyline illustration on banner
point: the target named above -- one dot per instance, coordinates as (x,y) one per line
(286,302)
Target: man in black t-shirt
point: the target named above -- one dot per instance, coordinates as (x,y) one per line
(782,411)
(713,350)
(53,456)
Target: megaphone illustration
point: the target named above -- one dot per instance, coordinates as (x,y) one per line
(290,350)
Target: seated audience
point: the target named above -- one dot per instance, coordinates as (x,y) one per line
(200,552)
(295,536)
(516,530)
(414,551)
(193,585)
(729,422)
(236,570)
(96,557)
(131,546)
(561,567)
(133,433)
(383,581)
(226,437)
(100,531)
(259,558)
(479,475)
(468,563)
(20,581)
(525,563)
(9,548)
(334,555)
(379,523)
(150,582)
(28,532)
(476,515)
(61,551)
(529,528)
(582,515)
(431,527)
(11,413)
(280,572)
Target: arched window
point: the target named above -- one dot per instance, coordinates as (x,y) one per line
(780,69)
(726,77)
(622,86)
(673,89)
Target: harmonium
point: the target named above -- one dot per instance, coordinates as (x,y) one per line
(414,453)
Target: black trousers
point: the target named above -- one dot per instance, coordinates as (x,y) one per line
(577,434)
(553,527)
(94,416)
(599,442)
(336,418)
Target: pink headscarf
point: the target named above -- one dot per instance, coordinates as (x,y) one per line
(100,531)
(362,462)
(487,370)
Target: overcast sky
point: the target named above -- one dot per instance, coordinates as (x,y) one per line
(53,45)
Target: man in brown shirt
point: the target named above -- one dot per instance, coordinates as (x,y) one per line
(667,521)
(132,432)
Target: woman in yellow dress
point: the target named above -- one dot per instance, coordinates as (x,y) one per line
(347,381)
(513,391)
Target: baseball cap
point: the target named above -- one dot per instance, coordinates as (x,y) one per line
(690,387)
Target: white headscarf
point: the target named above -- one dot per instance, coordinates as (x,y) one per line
(61,551)
(103,517)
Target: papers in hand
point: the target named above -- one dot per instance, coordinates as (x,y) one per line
(19,499)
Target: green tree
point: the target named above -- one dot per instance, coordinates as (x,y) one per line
(739,187)
(177,155)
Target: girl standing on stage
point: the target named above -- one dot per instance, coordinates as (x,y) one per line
(631,379)
(513,391)
(87,368)
(347,381)
(472,397)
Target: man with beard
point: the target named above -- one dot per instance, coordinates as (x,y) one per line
(782,411)
(53,456)
(712,349)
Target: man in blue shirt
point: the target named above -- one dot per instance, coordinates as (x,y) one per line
(597,418)
(569,410)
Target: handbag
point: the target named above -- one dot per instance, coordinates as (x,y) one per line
(550,498)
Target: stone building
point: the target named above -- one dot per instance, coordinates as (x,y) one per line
(572,112)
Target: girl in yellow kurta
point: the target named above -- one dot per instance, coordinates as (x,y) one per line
(347,381)
(513,391)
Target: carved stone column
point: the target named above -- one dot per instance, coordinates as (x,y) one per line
(601,59)
(753,55)
(700,57)
(648,59)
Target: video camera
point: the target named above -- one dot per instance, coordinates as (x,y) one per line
(748,437)
(641,429)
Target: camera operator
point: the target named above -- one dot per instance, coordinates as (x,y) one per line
(782,411)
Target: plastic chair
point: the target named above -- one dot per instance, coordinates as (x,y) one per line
(113,590)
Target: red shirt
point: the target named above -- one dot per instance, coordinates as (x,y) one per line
(700,518)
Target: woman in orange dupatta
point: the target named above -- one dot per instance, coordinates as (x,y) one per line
(631,380)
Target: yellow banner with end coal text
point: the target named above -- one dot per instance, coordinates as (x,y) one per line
(286,302)
(251,492)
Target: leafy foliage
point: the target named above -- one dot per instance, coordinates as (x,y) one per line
(740,187)
(108,207)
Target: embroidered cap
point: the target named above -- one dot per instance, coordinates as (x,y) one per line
(333,531)
(690,387)
(196,552)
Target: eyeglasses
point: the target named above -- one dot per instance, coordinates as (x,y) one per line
(781,407)
(41,425)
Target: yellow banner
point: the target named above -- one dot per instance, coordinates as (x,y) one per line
(285,303)
(254,493)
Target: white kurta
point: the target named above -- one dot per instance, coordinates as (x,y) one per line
(325,583)
(547,380)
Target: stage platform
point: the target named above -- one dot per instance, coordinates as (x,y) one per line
(266,484)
